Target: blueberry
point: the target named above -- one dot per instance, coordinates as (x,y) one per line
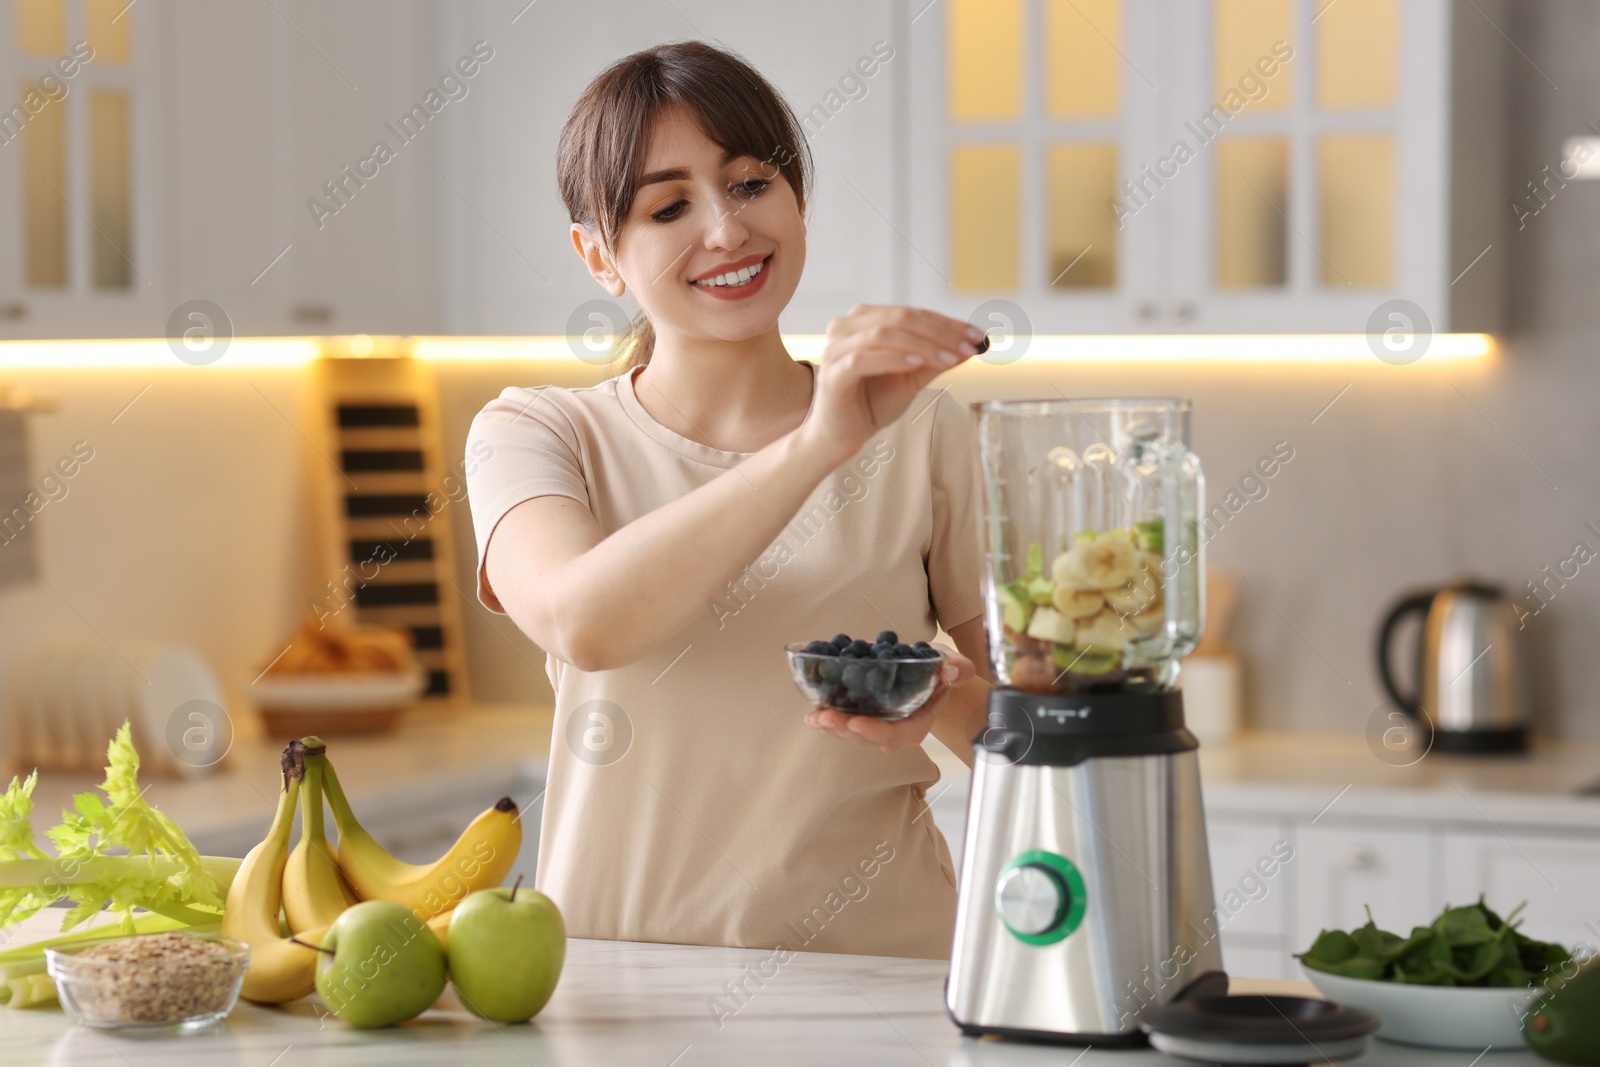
(888,637)
(904,686)
(930,652)
(905,651)
(841,641)
(822,648)
(830,670)
(852,674)
(884,652)
(921,646)
(845,703)
(859,647)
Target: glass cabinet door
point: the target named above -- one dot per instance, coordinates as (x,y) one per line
(75,171)
(1029,120)
(1293,109)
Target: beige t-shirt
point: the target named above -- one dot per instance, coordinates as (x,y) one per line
(688,801)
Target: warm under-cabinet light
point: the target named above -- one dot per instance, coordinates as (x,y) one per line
(145,353)
(1198,349)
(1053,348)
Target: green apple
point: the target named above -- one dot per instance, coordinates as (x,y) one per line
(506,948)
(379,965)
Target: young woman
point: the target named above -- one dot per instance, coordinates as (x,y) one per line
(664,534)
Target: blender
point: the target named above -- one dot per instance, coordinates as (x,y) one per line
(1085,883)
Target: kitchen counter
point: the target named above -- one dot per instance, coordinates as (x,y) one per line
(653,1004)
(481,751)
(1340,776)
(649,1005)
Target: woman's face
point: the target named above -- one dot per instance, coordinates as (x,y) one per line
(698,218)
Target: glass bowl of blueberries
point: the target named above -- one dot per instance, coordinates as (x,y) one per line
(886,679)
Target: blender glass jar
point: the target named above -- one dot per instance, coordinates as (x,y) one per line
(1092,549)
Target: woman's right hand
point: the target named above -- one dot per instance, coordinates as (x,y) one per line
(875,361)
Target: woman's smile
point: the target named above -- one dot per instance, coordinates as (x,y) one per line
(737,281)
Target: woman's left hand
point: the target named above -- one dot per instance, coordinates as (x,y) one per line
(888,736)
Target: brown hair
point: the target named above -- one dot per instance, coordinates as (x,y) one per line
(601,154)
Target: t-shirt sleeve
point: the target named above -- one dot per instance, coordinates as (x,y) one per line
(520,446)
(955,564)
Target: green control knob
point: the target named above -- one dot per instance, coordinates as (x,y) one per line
(1040,897)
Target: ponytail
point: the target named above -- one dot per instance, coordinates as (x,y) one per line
(638,341)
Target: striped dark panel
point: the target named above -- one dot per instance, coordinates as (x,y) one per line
(358,415)
(392,594)
(368,505)
(423,637)
(420,548)
(381,459)
(438,684)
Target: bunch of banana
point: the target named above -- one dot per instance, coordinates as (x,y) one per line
(313,884)
(480,858)
(314,892)
(279,970)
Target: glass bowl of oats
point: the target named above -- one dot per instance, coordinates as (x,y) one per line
(167,981)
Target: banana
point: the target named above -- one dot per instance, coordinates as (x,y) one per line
(279,969)
(1077,603)
(1107,562)
(440,925)
(314,892)
(1149,621)
(1048,624)
(1105,631)
(480,858)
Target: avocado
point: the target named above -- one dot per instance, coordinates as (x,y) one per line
(1041,590)
(1085,660)
(1016,610)
(1564,1024)
(1150,535)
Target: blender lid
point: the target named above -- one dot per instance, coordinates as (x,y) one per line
(1260,1030)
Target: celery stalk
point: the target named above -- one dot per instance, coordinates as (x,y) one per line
(29,991)
(118,853)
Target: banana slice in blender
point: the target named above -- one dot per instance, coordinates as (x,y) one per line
(1107,562)
(1049,624)
(1148,621)
(1076,603)
(1105,630)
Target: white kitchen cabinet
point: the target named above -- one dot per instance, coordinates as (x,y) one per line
(263,131)
(1253,877)
(238,115)
(1344,869)
(1242,851)
(83,169)
(1235,166)
(1555,875)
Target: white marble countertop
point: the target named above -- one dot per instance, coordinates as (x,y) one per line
(646,1005)
(651,1005)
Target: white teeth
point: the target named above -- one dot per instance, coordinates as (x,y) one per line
(738,277)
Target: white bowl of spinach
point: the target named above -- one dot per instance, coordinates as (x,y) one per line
(1465,981)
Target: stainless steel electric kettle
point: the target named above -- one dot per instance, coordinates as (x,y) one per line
(1472,677)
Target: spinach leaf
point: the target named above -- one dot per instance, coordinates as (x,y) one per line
(1470,945)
